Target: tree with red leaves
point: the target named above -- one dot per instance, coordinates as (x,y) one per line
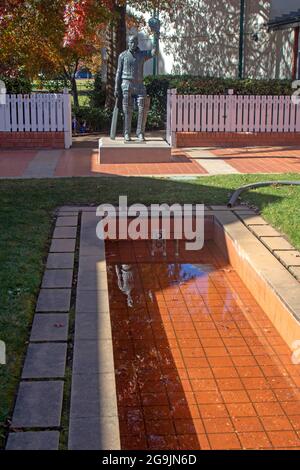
(54,37)
(51,38)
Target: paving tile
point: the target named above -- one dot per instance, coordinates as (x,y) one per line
(60,261)
(38,404)
(67,221)
(92,301)
(289,258)
(215,425)
(224,441)
(45,360)
(254,440)
(62,245)
(247,424)
(93,356)
(92,263)
(276,243)
(39,440)
(57,278)
(91,280)
(276,423)
(93,395)
(284,438)
(264,231)
(64,209)
(51,327)
(91,434)
(295,270)
(92,326)
(252,219)
(67,213)
(54,300)
(65,232)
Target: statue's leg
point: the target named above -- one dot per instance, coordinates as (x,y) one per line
(146,111)
(127,111)
(141,109)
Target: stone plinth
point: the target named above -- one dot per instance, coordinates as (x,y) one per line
(152,150)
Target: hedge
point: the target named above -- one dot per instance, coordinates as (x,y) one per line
(190,85)
(98,118)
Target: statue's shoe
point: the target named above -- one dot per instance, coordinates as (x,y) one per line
(140,137)
(127,138)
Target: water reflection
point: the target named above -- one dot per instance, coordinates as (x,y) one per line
(125,278)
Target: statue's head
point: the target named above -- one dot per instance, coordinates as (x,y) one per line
(133,42)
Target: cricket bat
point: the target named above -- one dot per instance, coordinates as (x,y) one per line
(114,122)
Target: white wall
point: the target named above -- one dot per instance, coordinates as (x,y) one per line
(204,40)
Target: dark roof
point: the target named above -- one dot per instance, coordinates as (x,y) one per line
(285,21)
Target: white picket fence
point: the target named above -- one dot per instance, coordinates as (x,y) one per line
(230,113)
(38,112)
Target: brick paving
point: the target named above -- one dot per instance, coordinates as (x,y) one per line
(261,159)
(198,363)
(84,162)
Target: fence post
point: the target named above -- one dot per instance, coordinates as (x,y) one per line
(168,124)
(67,119)
(229,110)
(173,120)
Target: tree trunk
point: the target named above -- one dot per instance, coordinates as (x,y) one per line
(115,44)
(75,91)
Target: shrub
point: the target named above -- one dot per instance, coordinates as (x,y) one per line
(97,94)
(55,85)
(190,85)
(17,85)
(96,119)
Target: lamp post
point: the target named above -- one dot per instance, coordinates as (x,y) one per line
(241,40)
(154,24)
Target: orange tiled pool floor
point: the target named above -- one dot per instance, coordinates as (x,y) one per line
(198,364)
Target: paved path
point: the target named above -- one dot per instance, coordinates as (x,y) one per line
(83,161)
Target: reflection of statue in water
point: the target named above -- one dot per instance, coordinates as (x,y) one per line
(125,281)
(129,83)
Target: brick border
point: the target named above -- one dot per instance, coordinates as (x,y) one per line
(30,140)
(94,422)
(38,408)
(235,139)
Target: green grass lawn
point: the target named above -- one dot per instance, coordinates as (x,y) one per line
(27,218)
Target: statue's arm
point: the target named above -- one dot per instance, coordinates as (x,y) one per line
(119,74)
(150,53)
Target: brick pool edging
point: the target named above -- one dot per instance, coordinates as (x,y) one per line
(275,288)
(94,422)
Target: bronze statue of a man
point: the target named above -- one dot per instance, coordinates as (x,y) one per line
(129,83)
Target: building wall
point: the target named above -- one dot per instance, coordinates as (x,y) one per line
(204,40)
